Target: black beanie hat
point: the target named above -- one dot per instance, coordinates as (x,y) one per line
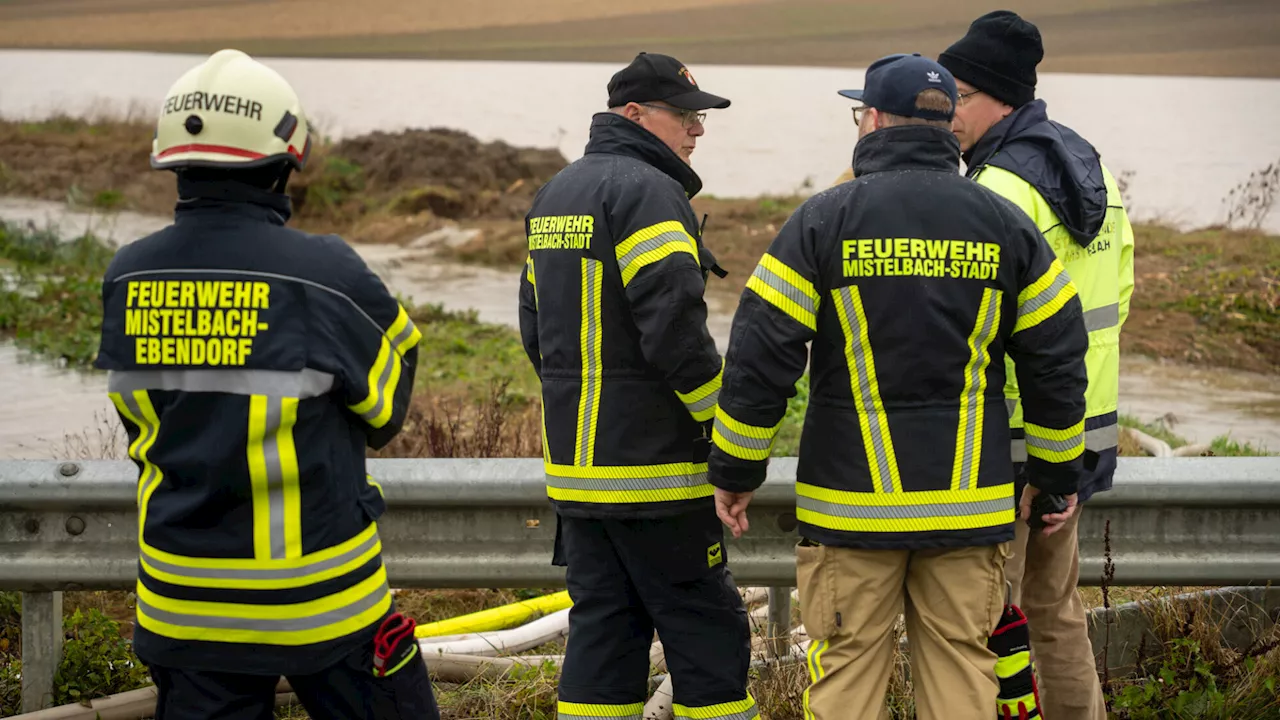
(998,56)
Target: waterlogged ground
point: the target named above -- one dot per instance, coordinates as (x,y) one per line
(1201,403)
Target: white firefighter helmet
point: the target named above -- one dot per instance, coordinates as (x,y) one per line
(231,111)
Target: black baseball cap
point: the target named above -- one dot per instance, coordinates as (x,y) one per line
(651,76)
(894,81)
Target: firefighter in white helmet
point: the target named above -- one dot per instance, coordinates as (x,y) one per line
(252,364)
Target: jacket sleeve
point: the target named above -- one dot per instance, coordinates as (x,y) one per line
(663,280)
(776,318)
(369,344)
(529,315)
(1126,266)
(1048,346)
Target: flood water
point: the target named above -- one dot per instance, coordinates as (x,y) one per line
(1186,141)
(50,402)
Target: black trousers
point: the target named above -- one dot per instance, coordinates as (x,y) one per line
(345,691)
(630,577)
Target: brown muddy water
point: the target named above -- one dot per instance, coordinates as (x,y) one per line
(47,403)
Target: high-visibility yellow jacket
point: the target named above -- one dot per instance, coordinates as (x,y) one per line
(252,364)
(905,289)
(1057,178)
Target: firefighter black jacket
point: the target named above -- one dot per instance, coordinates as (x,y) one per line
(252,364)
(911,283)
(613,319)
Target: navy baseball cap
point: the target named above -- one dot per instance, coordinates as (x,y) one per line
(894,81)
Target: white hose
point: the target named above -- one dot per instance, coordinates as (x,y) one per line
(660,706)
(531,635)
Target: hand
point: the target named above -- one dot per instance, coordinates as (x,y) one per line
(1054,522)
(731,508)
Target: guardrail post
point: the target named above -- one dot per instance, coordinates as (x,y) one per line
(41,647)
(778,629)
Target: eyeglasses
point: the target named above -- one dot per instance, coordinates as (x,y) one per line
(687,117)
(858,113)
(962,96)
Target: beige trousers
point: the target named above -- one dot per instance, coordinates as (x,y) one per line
(1044,572)
(951,600)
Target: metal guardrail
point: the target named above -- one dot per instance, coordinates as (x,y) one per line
(487,523)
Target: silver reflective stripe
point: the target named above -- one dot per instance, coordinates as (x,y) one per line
(789,291)
(983,339)
(1107,316)
(668,482)
(402,336)
(741,440)
(566,716)
(590,360)
(1103,438)
(705,403)
(275,477)
(1011,404)
(310,622)
(904,512)
(263,573)
(381,391)
(1045,296)
(653,243)
(1052,445)
(305,384)
(868,411)
(152,474)
(1018,450)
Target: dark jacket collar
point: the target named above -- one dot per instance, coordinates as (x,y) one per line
(907,147)
(616,135)
(232,197)
(1062,166)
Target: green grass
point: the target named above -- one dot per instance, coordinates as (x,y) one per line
(51,301)
(460,352)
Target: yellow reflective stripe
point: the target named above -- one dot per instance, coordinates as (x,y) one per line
(651,244)
(137,407)
(628,483)
(740,440)
(785,289)
(384,374)
(261,578)
(376,485)
(816,671)
(291,491)
(306,623)
(1054,445)
(905,512)
(964,471)
(302,564)
(1043,298)
(736,710)
(592,366)
(1016,705)
(258,479)
(528,272)
(701,403)
(881,457)
(583,711)
(1007,667)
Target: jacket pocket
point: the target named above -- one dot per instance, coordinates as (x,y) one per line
(816,584)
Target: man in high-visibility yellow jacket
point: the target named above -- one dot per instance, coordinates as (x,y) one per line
(1011,146)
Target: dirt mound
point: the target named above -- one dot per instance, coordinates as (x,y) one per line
(448,172)
(103,165)
(380,187)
